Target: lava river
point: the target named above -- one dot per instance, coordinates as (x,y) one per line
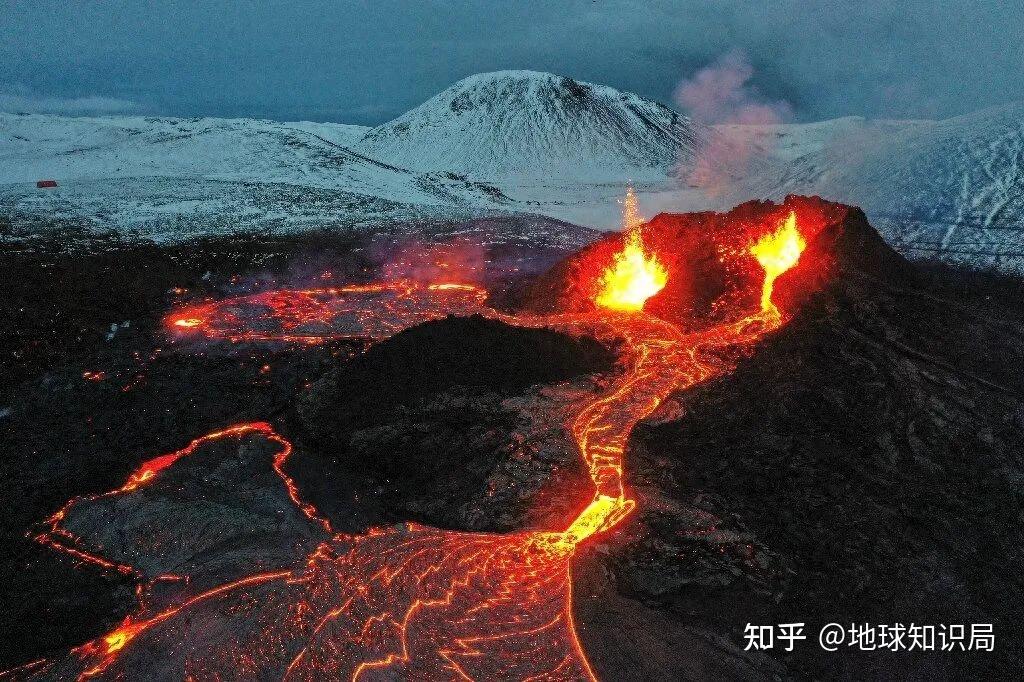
(406,601)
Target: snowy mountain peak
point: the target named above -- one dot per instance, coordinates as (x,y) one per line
(528,123)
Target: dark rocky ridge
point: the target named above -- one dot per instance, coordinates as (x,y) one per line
(471,352)
(864,464)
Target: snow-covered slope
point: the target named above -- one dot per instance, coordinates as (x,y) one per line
(169,178)
(512,142)
(72,149)
(495,126)
(336,133)
(951,188)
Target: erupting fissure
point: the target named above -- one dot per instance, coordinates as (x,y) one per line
(777,252)
(635,275)
(412,602)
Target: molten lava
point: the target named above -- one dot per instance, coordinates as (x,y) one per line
(310,316)
(633,278)
(634,275)
(777,252)
(408,601)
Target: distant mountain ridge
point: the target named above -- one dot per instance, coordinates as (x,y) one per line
(171,179)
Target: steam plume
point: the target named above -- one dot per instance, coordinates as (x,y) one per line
(719,94)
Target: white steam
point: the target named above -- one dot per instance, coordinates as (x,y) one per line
(720,95)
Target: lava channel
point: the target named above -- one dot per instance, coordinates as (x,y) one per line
(409,601)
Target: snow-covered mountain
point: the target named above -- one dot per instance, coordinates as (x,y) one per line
(33,146)
(561,148)
(511,143)
(169,178)
(495,126)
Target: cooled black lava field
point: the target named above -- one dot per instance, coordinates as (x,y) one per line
(862,463)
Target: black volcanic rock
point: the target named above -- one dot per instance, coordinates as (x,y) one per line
(862,465)
(470,352)
(421,419)
(63,434)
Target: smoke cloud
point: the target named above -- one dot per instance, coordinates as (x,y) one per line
(721,95)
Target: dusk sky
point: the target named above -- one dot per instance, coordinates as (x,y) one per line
(366,62)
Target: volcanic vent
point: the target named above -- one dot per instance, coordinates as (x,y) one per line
(698,269)
(855,465)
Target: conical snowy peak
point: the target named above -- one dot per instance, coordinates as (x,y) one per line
(537,125)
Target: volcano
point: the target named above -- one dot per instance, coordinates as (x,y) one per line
(660,476)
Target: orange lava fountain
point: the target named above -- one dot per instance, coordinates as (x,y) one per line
(635,275)
(777,252)
(409,601)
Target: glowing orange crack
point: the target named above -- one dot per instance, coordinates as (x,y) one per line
(459,586)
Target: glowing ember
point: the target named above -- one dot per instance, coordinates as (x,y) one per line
(631,216)
(777,252)
(188,322)
(635,275)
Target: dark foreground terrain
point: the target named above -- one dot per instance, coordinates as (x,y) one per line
(864,464)
(90,387)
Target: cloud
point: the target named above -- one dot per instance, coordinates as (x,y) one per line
(720,94)
(12,100)
(827,58)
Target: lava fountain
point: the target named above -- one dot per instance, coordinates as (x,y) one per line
(777,252)
(635,274)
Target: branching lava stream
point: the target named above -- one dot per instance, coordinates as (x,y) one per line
(404,602)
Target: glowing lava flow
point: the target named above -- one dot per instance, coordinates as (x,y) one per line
(407,602)
(355,311)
